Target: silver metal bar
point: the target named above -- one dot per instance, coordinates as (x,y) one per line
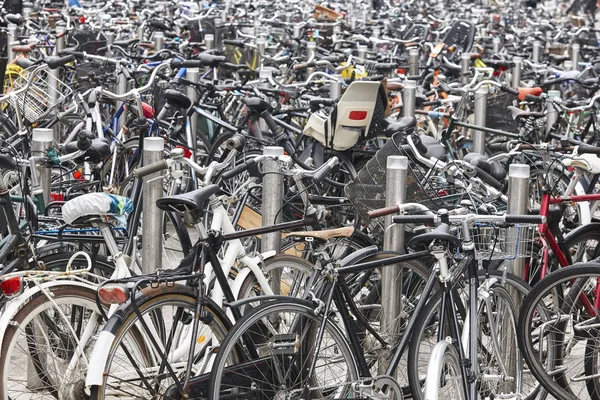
(537,46)
(12,36)
(335,89)
(41,140)
(159,40)
(465,64)
(391,276)
(413,62)
(481,96)
(193,75)
(152,216)
(551,110)
(272,201)
(496,44)
(409,94)
(516,72)
(575,55)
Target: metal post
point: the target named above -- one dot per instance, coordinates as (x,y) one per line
(41,140)
(409,96)
(209,41)
(272,201)
(362,51)
(496,44)
(518,198)
(193,75)
(159,39)
(152,216)
(353,23)
(110,38)
(12,37)
(516,73)
(537,46)
(219,31)
(568,65)
(60,41)
(575,55)
(481,96)
(261,44)
(465,64)
(551,110)
(121,89)
(391,276)
(335,88)
(264,75)
(413,62)
(140,32)
(376,35)
(257,27)
(311,50)
(297,31)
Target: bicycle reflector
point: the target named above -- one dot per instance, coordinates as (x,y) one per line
(12,287)
(113,294)
(357,115)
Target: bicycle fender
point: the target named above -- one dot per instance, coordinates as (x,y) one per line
(264,256)
(95,372)
(236,285)
(14,305)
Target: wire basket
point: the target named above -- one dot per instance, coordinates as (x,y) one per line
(36,94)
(496,243)
(497,115)
(367,191)
(88,73)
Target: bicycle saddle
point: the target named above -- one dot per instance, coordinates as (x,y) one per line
(191,201)
(256,104)
(98,151)
(493,168)
(431,148)
(393,125)
(441,233)
(177,99)
(7,162)
(516,113)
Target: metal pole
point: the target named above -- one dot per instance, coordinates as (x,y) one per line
(551,110)
(465,64)
(152,216)
(518,198)
(193,75)
(209,41)
(353,23)
(264,75)
(121,89)
(413,62)
(335,88)
(575,55)
(12,37)
(409,95)
(537,46)
(261,44)
(481,96)
(568,65)
(159,39)
(272,201)
(219,31)
(41,140)
(257,27)
(376,35)
(297,31)
(362,51)
(311,50)
(140,32)
(496,44)
(60,41)
(516,73)
(391,276)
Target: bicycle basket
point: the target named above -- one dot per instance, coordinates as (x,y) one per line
(497,116)
(35,95)
(367,191)
(89,41)
(494,243)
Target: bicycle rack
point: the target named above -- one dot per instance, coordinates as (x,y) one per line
(152,215)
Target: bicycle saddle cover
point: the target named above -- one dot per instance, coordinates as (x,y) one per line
(191,201)
(441,233)
(493,168)
(177,99)
(89,206)
(7,162)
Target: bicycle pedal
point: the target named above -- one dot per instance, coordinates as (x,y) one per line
(282,345)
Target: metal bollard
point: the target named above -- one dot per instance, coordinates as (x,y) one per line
(159,39)
(353,23)
(219,31)
(121,89)
(575,55)
(335,88)
(152,218)
(568,65)
(516,72)
(413,62)
(537,47)
(311,50)
(272,201)
(193,75)
(409,96)
(391,276)
(41,140)
(110,38)
(140,32)
(518,198)
(261,44)
(551,110)
(496,44)
(465,64)
(12,37)
(209,41)
(297,31)
(376,35)
(60,41)
(257,27)
(481,96)
(362,51)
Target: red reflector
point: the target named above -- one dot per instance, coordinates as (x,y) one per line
(148,110)
(187,153)
(113,294)
(78,175)
(11,287)
(357,115)
(57,197)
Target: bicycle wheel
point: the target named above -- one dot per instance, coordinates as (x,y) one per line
(279,340)
(498,358)
(134,368)
(569,325)
(40,344)
(444,377)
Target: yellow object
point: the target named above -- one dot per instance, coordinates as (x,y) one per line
(200,339)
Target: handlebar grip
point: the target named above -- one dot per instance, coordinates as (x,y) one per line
(588,150)
(533,99)
(55,62)
(186,64)
(301,66)
(382,212)
(236,142)
(487,178)
(16,19)
(234,42)
(413,219)
(150,169)
(524,219)
(508,89)
(239,169)
(83,140)
(498,146)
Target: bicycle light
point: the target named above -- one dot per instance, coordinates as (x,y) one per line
(113,294)
(12,287)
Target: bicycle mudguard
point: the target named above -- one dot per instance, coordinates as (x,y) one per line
(241,276)
(14,305)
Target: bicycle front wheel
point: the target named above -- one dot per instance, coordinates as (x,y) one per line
(279,342)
